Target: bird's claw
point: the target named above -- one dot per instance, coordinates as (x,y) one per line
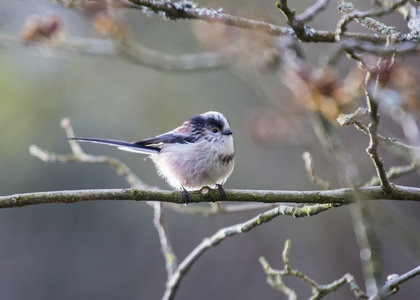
(186,196)
(222,192)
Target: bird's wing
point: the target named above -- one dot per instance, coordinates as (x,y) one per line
(166,138)
(122,145)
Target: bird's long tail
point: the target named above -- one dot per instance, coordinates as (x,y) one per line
(122,145)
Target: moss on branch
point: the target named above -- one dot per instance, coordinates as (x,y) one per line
(338,197)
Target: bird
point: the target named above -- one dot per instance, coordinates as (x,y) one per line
(198,153)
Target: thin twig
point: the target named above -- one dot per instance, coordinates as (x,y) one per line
(369,243)
(307,158)
(395,172)
(168,62)
(297,22)
(171,262)
(407,150)
(122,169)
(230,231)
(134,52)
(79,155)
(392,285)
(275,279)
(365,18)
(311,12)
(372,149)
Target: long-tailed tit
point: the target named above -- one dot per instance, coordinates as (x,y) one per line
(198,153)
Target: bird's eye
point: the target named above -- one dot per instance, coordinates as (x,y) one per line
(215,130)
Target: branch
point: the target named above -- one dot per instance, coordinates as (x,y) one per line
(210,60)
(312,11)
(364,18)
(205,195)
(392,285)
(167,62)
(354,118)
(230,231)
(303,32)
(136,53)
(122,169)
(410,13)
(307,157)
(372,150)
(395,172)
(166,248)
(318,291)
(185,9)
(79,155)
(189,10)
(369,244)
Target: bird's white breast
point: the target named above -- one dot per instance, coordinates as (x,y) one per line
(194,165)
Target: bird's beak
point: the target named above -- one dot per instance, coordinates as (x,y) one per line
(228,132)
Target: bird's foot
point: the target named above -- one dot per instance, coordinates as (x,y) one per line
(186,196)
(222,192)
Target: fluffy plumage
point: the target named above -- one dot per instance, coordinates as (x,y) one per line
(198,153)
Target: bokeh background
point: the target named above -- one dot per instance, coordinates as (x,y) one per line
(110,250)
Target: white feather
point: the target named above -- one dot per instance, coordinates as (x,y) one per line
(139,150)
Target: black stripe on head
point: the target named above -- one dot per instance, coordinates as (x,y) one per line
(198,121)
(208,122)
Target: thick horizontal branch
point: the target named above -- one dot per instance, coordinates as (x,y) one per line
(339,196)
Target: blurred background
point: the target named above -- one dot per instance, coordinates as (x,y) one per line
(110,250)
